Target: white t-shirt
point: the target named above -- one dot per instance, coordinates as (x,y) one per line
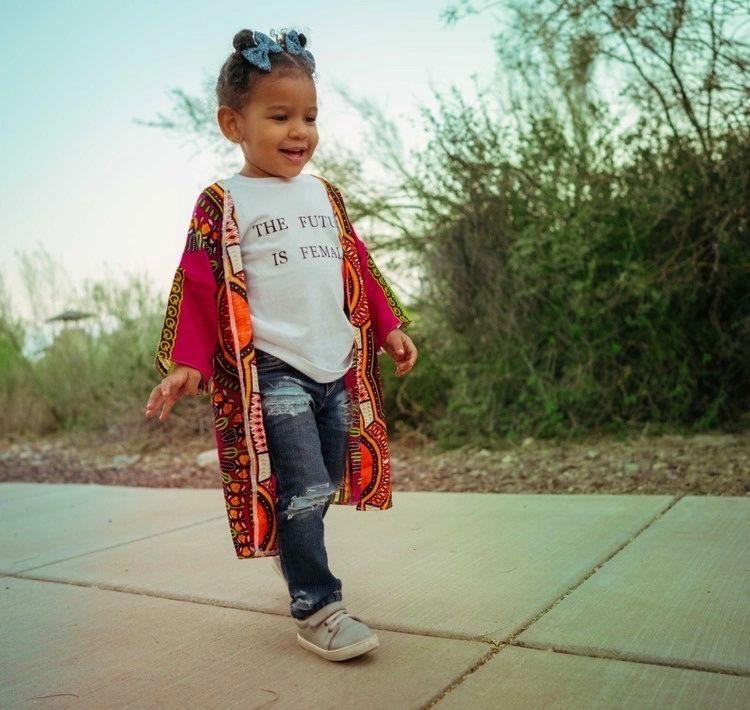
(292,259)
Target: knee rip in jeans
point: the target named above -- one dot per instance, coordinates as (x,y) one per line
(315,496)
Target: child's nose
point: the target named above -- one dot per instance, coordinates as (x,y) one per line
(298,128)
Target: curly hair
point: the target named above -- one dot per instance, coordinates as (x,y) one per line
(238,78)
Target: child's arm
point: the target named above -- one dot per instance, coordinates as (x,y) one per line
(189,335)
(386,311)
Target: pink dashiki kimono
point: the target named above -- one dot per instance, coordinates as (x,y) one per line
(208,326)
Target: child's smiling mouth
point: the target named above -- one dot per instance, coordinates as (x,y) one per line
(294,156)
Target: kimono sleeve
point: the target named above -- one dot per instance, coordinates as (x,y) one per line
(386,311)
(189,333)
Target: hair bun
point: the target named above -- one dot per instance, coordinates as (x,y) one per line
(302,39)
(244,39)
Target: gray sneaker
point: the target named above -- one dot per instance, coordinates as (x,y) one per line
(333,633)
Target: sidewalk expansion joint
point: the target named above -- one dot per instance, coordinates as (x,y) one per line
(115,545)
(636,658)
(238,606)
(511,640)
(441,694)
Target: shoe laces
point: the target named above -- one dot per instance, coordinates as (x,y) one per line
(334,620)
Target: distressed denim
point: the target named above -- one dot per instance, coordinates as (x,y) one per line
(306,424)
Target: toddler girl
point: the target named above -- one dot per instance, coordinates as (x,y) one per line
(278,311)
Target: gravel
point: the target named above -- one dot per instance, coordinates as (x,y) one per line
(706,464)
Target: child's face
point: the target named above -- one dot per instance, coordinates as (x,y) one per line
(281,115)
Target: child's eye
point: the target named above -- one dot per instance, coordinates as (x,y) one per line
(311,119)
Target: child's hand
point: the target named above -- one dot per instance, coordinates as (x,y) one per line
(401,348)
(181,381)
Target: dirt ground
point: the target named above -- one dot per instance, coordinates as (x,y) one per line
(710,464)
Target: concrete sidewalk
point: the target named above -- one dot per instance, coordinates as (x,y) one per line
(113,596)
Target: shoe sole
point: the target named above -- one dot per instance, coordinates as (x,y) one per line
(341,654)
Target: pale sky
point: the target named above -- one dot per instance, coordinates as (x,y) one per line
(104,195)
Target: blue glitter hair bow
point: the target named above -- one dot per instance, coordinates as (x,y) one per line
(258,54)
(295,44)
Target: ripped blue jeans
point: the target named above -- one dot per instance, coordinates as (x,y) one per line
(306,425)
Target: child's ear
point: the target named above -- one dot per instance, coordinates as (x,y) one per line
(228,122)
